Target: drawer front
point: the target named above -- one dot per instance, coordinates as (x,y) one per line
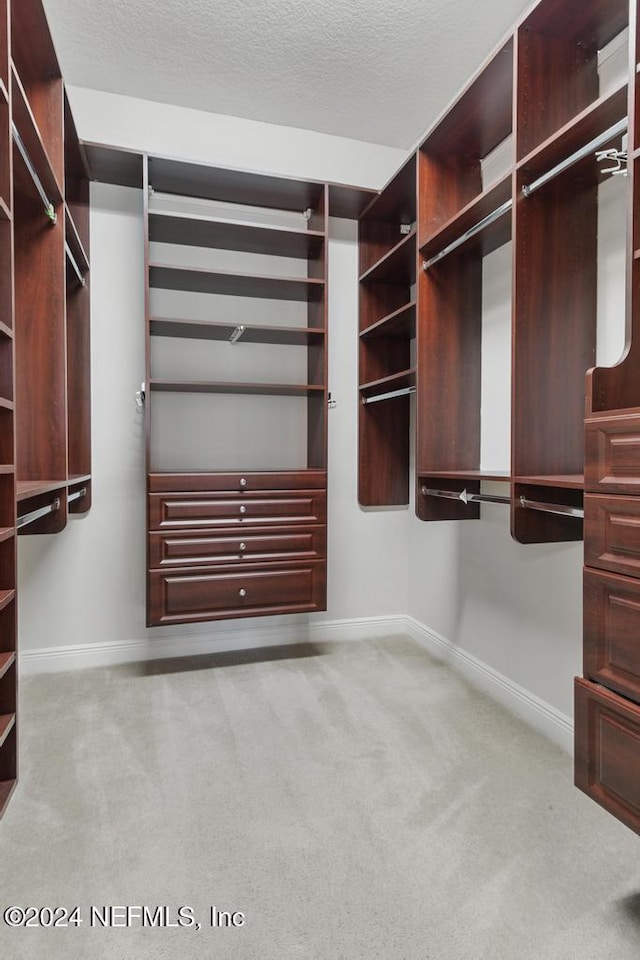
(612,455)
(201,548)
(612,632)
(607,751)
(229,510)
(612,534)
(237,482)
(188,598)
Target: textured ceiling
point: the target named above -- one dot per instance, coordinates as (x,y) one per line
(379,71)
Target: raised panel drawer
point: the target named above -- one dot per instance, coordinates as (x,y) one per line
(612,534)
(607,750)
(612,454)
(224,510)
(612,632)
(198,548)
(237,482)
(210,595)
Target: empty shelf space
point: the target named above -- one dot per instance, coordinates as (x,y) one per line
(202,231)
(469,225)
(5,213)
(396,381)
(6,596)
(196,280)
(396,266)
(264,389)
(7,723)
(75,243)
(495,475)
(585,127)
(572,481)
(6,661)
(29,133)
(203,330)
(6,789)
(27,489)
(6,331)
(400,323)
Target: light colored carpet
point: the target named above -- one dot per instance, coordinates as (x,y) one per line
(357,802)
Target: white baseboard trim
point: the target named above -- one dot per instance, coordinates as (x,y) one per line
(248,635)
(245,635)
(537,713)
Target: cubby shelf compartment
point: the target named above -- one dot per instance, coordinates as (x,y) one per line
(27,128)
(485,224)
(224,234)
(205,330)
(7,723)
(401,323)
(162,276)
(6,662)
(396,381)
(585,127)
(396,266)
(264,389)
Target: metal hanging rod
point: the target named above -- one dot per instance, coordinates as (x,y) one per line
(76,269)
(464,496)
(558,508)
(388,396)
(49,208)
(237,333)
(471,232)
(76,495)
(591,147)
(37,514)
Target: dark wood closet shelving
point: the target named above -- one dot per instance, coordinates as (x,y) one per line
(396,266)
(257,333)
(570,481)
(197,280)
(265,389)
(496,475)
(6,331)
(31,137)
(203,231)
(5,213)
(75,243)
(401,323)
(395,381)
(29,489)
(6,597)
(6,533)
(490,238)
(6,661)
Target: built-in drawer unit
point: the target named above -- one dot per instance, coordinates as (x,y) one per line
(612,631)
(252,544)
(237,482)
(612,534)
(607,750)
(168,511)
(612,454)
(189,596)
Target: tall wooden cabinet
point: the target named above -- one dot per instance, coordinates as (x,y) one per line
(45,403)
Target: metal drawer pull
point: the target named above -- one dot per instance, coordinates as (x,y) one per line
(243,482)
(243,509)
(243,546)
(242,592)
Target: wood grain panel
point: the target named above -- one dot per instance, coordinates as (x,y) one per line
(612,632)
(612,454)
(174,511)
(612,534)
(189,548)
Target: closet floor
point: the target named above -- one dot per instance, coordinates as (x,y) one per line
(354,800)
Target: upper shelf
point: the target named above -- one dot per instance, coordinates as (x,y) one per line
(197,280)
(396,266)
(223,386)
(470,219)
(251,333)
(201,231)
(30,135)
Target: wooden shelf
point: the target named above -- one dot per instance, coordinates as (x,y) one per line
(6,468)
(4,93)
(163,276)
(202,231)
(490,238)
(6,331)
(6,404)
(396,381)
(5,212)
(75,479)
(396,266)
(204,330)
(6,533)
(28,489)
(572,481)
(6,596)
(400,323)
(7,723)
(6,789)
(6,662)
(583,128)
(264,389)
(28,129)
(495,475)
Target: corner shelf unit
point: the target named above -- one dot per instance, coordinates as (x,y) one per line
(45,420)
